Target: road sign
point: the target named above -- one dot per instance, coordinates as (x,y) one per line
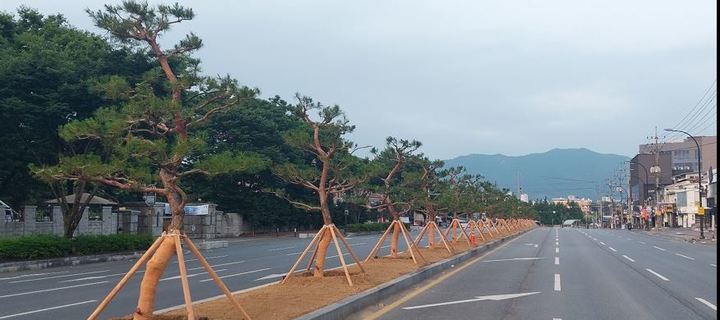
(701,211)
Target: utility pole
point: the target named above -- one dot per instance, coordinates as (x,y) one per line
(656,171)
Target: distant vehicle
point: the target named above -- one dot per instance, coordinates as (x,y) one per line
(463,223)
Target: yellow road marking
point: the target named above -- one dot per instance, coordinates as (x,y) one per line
(433,283)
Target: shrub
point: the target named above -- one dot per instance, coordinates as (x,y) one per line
(51,246)
(366,227)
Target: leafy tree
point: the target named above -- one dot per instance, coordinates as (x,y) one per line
(428,185)
(48,72)
(149,138)
(257,127)
(331,169)
(388,181)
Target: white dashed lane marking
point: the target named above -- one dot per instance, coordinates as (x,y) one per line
(557,282)
(630,259)
(684,256)
(661,249)
(707,303)
(657,274)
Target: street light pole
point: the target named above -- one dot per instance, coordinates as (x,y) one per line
(702,216)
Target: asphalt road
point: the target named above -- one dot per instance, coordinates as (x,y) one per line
(553,273)
(74,292)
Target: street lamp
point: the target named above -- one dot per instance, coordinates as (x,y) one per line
(702,216)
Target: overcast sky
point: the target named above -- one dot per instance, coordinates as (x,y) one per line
(510,77)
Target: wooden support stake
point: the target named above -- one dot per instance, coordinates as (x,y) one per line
(442,238)
(183,277)
(312,258)
(420,235)
(144,258)
(214,276)
(410,244)
(299,259)
(477,226)
(340,255)
(376,248)
(347,246)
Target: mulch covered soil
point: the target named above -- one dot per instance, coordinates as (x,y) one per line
(304,293)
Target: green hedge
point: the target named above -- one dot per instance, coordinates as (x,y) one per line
(50,246)
(364,227)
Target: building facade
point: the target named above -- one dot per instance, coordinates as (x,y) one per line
(584,203)
(684,155)
(643,182)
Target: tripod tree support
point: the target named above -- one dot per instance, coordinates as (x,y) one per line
(429,229)
(335,234)
(412,247)
(473,226)
(454,226)
(176,237)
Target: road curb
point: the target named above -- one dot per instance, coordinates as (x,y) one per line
(349,306)
(66,261)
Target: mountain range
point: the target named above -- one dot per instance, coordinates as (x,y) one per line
(555,173)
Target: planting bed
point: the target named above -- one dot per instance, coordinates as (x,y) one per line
(304,293)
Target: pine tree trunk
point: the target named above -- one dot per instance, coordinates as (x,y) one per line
(431,235)
(325,238)
(394,239)
(154,271)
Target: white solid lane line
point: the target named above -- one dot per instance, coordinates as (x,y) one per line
(218,265)
(206,258)
(557,282)
(280,249)
(32,275)
(189,275)
(237,274)
(602,243)
(661,249)
(557,260)
(96,277)
(707,303)
(46,309)
(52,289)
(62,276)
(657,274)
(626,257)
(684,256)
(613,249)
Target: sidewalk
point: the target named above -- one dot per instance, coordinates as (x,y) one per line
(684,234)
